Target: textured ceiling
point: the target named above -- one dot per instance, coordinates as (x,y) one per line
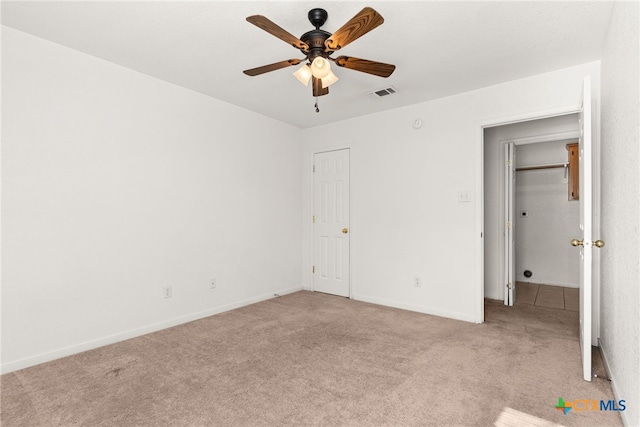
(440,48)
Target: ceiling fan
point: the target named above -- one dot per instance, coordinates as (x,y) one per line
(318,45)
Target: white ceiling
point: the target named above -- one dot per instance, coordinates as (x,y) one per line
(440,48)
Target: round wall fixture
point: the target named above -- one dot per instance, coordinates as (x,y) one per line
(417,124)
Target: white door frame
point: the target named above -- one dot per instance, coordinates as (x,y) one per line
(507,120)
(312,154)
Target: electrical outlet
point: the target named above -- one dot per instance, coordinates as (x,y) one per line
(464,196)
(417,281)
(212,283)
(167,291)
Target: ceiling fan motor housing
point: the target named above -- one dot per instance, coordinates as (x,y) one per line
(315,38)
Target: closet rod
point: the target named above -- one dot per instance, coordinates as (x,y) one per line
(535,167)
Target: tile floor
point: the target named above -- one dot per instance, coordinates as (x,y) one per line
(547,296)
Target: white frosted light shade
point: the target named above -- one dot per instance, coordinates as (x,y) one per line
(303,74)
(320,67)
(329,79)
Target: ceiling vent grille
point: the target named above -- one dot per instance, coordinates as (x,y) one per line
(379,93)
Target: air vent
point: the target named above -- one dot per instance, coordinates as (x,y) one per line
(379,93)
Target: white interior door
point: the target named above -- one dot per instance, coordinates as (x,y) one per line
(331,267)
(586,214)
(509,222)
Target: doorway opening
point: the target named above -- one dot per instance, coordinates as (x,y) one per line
(529,216)
(589,214)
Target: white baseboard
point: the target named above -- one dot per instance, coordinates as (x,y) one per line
(616,394)
(547,282)
(112,339)
(416,308)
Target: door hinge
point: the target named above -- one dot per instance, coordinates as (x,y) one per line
(509,224)
(314,168)
(313,219)
(313,268)
(509,286)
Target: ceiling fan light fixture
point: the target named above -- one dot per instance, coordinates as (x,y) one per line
(318,45)
(303,74)
(320,67)
(329,79)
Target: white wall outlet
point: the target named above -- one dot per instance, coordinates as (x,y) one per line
(167,291)
(417,281)
(213,283)
(464,196)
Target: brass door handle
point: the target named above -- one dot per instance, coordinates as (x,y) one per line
(345,230)
(597,243)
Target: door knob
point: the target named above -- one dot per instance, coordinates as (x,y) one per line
(597,243)
(345,230)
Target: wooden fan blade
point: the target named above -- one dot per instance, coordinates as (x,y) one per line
(272,67)
(271,28)
(366,20)
(365,66)
(318,90)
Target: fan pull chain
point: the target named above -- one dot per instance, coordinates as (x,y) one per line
(316,105)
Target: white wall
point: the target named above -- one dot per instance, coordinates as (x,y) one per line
(115,184)
(620,294)
(544,198)
(405,217)
(543,236)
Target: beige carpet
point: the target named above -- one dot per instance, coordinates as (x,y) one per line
(315,359)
